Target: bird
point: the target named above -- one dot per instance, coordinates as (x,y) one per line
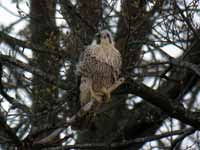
(99,68)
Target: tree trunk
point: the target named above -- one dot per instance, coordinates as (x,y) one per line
(44,34)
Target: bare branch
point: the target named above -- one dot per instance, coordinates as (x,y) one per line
(187,22)
(26,44)
(181,138)
(11,100)
(121,145)
(166,104)
(47,77)
(9,131)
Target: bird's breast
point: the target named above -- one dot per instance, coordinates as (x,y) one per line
(108,55)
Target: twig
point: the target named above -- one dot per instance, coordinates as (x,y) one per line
(187,22)
(10,99)
(4,127)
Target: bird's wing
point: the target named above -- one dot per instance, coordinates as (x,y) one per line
(95,67)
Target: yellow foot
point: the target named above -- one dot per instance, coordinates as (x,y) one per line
(106,93)
(95,96)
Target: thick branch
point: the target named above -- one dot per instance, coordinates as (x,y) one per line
(121,145)
(166,104)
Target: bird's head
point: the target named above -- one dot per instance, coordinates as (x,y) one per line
(104,37)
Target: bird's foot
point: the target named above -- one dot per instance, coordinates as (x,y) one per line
(105,92)
(95,96)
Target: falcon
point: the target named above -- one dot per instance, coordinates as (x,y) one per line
(99,67)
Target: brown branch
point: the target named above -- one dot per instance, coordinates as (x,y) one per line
(121,145)
(195,68)
(162,101)
(180,63)
(51,138)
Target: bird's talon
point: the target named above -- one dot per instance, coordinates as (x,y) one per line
(106,93)
(95,96)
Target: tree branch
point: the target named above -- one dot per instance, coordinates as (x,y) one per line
(26,44)
(121,145)
(47,77)
(195,68)
(181,138)
(162,101)
(9,131)
(187,22)
(11,100)
(71,15)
